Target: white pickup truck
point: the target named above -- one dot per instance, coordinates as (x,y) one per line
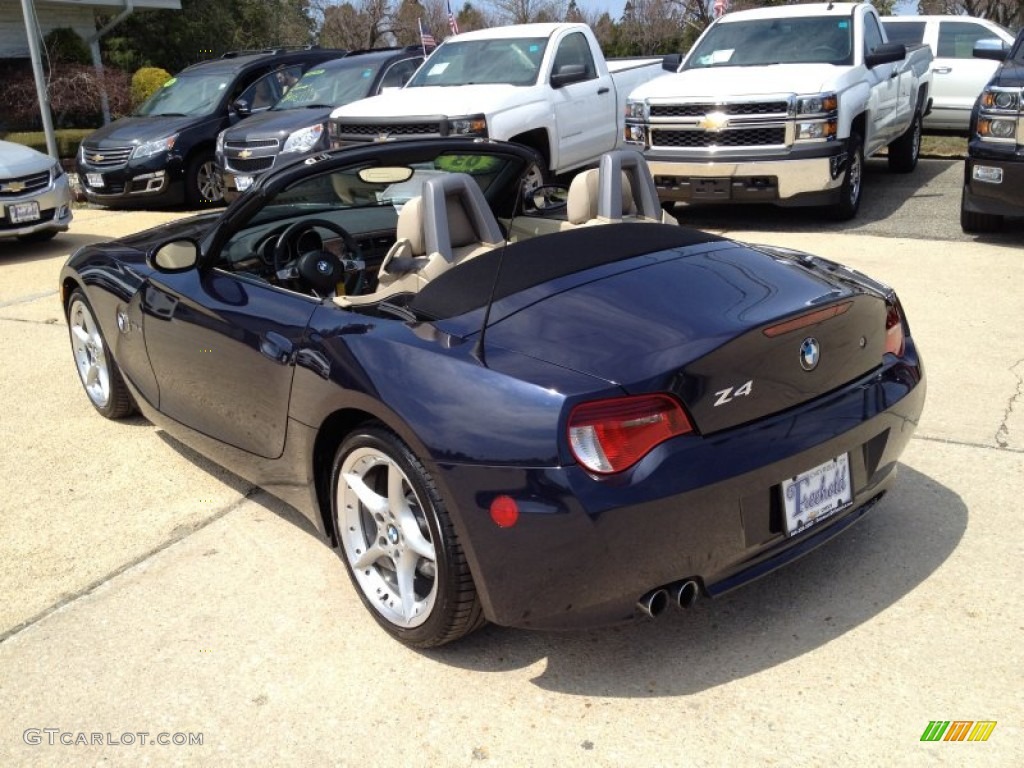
(546,86)
(782,105)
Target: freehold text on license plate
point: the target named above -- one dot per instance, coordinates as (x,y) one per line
(817,494)
(242,183)
(94,179)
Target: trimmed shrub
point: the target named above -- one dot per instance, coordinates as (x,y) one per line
(68,140)
(146,82)
(64,44)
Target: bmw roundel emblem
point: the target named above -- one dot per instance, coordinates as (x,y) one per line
(810,353)
(323,267)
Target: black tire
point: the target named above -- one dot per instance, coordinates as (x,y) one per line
(203,184)
(904,152)
(976,223)
(853,181)
(381,537)
(42,236)
(97,370)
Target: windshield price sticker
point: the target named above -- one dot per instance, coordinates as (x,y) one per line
(817,494)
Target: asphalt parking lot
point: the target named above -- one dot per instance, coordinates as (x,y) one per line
(147,591)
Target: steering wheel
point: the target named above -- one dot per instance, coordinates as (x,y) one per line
(319,269)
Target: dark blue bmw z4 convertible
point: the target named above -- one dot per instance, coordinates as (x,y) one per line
(548,407)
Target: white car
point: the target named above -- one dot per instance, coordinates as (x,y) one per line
(958,77)
(35,197)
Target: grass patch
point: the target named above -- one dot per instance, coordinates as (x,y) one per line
(944,146)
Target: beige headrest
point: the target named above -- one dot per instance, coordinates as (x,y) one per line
(460,229)
(581,205)
(410,225)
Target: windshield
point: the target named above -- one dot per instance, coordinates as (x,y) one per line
(760,42)
(333,87)
(508,61)
(186,95)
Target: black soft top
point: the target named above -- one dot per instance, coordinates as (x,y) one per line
(540,259)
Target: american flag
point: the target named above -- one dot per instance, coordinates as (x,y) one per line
(426,39)
(452,23)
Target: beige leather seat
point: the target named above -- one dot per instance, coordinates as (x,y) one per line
(621,189)
(449,223)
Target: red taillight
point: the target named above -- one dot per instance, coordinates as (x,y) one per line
(608,436)
(894,342)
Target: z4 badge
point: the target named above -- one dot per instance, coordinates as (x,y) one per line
(729,394)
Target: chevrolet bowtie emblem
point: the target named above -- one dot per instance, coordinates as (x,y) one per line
(97,158)
(13,186)
(713,122)
(245,154)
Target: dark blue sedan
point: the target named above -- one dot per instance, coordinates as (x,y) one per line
(553,408)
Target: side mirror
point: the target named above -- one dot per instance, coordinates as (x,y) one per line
(241,106)
(175,256)
(885,54)
(549,198)
(567,74)
(671,62)
(990,48)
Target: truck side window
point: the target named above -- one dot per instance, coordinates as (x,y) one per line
(575,50)
(957,38)
(399,73)
(872,34)
(906,32)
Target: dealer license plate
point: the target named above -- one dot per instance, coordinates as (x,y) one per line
(95,179)
(22,212)
(242,183)
(817,494)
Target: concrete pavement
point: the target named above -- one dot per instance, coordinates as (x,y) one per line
(149,591)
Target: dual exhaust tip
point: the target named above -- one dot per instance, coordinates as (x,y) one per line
(681,593)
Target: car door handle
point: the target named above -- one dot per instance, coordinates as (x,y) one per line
(276,347)
(942,70)
(602,90)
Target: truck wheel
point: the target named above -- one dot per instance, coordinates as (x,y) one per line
(903,152)
(534,177)
(849,193)
(203,185)
(972,221)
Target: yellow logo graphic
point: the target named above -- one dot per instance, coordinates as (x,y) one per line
(714,122)
(245,154)
(97,158)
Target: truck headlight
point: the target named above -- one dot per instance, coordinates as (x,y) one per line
(636,110)
(998,128)
(1001,100)
(155,147)
(816,130)
(474,125)
(304,140)
(818,104)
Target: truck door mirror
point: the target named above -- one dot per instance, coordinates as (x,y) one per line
(241,106)
(885,53)
(990,48)
(567,74)
(671,62)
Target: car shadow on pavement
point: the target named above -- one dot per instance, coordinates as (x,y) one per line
(843,584)
(883,195)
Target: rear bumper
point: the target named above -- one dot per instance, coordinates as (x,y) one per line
(54,210)
(1005,198)
(789,180)
(710,509)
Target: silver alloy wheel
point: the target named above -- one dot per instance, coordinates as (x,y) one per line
(533,178)
(90,353)
(855,177)
(209,182)
(386,537)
